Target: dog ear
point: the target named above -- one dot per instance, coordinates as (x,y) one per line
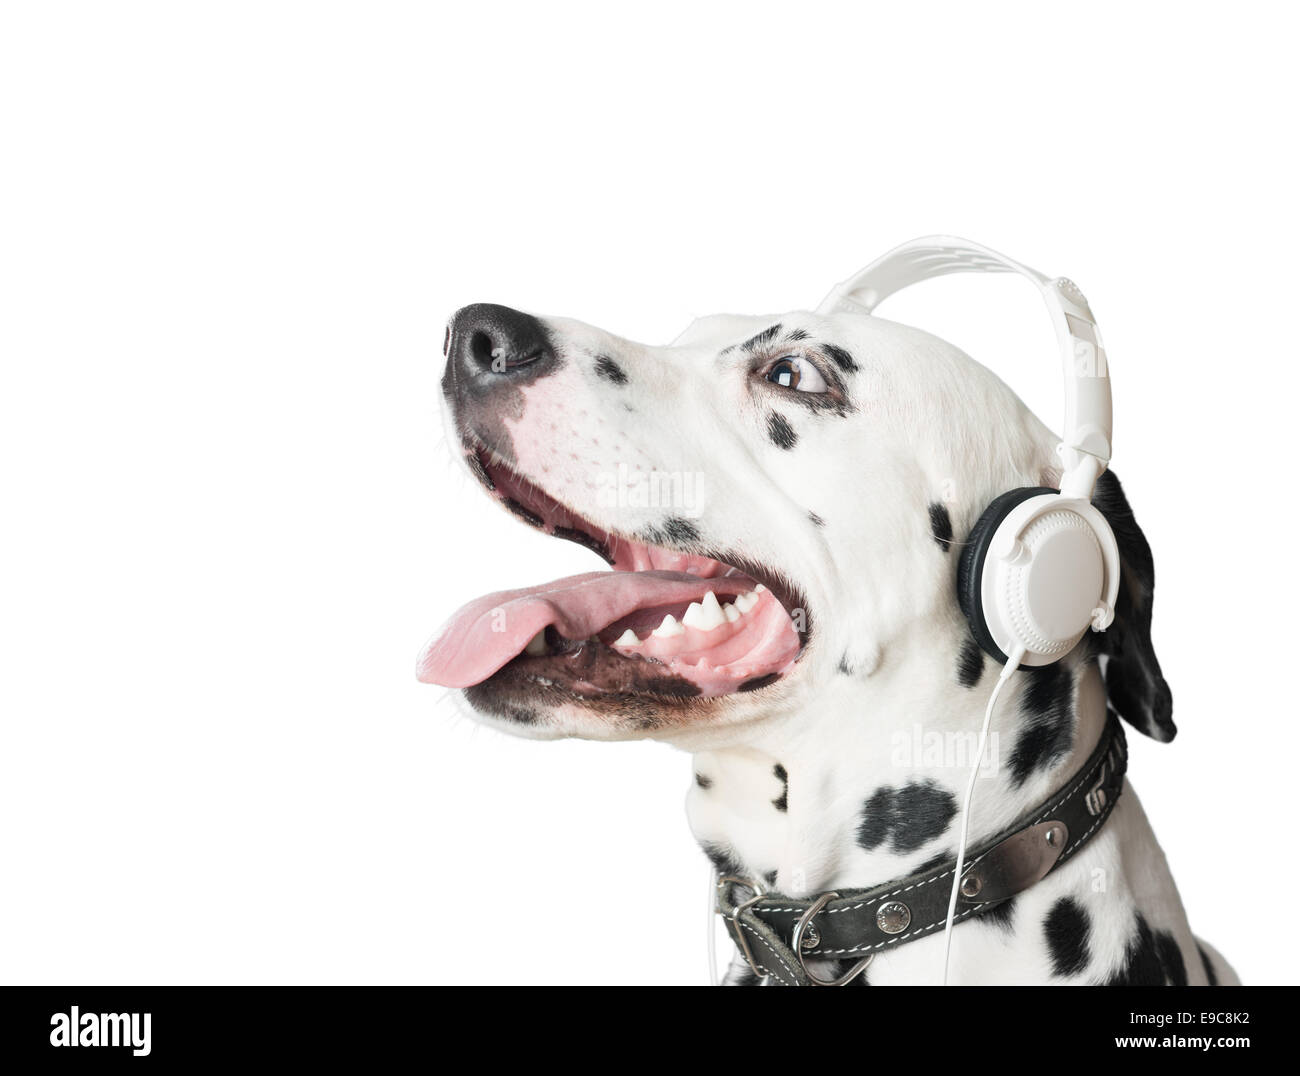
(1134,685)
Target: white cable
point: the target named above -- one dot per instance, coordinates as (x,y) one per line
(713,928)
(1013,663)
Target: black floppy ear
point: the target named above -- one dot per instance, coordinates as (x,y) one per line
(1134,685)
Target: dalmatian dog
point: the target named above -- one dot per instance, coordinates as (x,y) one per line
(780,502)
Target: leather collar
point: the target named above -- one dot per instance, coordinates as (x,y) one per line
(776,934)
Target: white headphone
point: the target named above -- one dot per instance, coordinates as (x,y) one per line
(1040,566)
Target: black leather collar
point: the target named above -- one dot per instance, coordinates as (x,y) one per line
(777,934)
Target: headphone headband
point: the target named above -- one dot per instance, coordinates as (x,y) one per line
(1086,437)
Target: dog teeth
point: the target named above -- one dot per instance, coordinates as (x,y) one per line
(745,602)
(628,638)
(713,610)
(705,615)
(537,645)
(668,628)
(731,613)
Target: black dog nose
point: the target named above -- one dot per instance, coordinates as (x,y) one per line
(486,342)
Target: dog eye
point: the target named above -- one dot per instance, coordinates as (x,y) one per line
(796,372)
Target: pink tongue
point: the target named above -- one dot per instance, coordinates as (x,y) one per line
(490,631)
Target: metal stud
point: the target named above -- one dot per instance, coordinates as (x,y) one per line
(810,939)
(971,885)
(893,917)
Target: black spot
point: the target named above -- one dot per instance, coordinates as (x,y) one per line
(1210,976)
(876,822)
(816,519)
(907,817)
(797,334)
(1066,929)
(782,802)
(1143,965)
(765,337)
(1034,749)
(941,525)
(1171,958)
(723,861)
(758,681)
(610,370)
(702,781)
(523,513)
(520,714)
(1001,915)
(970,663)
(770,879)
(745,976)
(674,529)
(781,432)
(844,665)
(840,358)
(1047,705)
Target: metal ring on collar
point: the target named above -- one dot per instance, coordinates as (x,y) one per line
(796,940)
(732,879)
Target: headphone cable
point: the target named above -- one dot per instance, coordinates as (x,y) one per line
(713,928)
(1013,663)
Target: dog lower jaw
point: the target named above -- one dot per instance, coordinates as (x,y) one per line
(545,708)
(522,700)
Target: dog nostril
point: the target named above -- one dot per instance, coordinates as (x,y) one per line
(483,351)
(498,358)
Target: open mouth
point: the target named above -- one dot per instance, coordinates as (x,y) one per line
(661,621)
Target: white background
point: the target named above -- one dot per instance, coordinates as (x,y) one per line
(230,237)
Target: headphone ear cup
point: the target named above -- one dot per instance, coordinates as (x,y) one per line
(970,568)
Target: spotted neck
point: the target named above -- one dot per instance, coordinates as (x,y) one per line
(864,783)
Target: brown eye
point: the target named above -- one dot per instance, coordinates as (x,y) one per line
(796,372)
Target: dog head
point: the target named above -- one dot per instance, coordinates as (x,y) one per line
(779,499)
